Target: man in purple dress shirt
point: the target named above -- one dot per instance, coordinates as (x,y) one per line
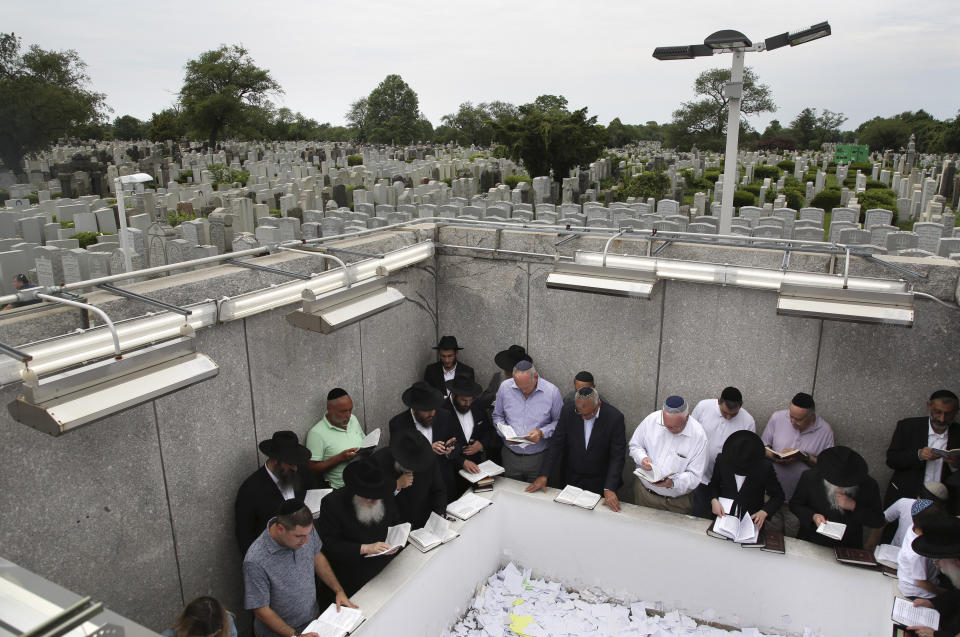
(800,428)
(531,406)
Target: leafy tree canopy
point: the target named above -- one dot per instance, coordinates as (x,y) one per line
(390,114)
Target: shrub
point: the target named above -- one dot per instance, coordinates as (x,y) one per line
(274,212)
(477,155)
(85,238)
(500,151)
(66,224)
(878,198)
(795,197)
(644,185)
(827,199)
(513,180)
(791,182)
(862,166)
(4,195)
(354,160)
(751,188)
(744,198)
(762,172)
(225,175)
(34,199)
(712,175)
(873,183)
(787,165)
(184,174)
(175,219)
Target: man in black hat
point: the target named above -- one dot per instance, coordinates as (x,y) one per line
(282,477)
(912,451)
(743,474)
(278,574)
(591,440)
(838,489)
(475,433)
(353,523)
(941,542)
(419,486)
(438,428)
(447,366)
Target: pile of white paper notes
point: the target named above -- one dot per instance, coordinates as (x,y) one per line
(510,603)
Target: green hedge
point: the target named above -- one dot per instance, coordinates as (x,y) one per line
(827,199)
(744,198)
(513,180)
(762,172)
(354,160)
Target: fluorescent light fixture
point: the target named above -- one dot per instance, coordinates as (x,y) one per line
(801,36)
(262,300)
(859,306)
(727,39)
(333,310)
(601,280)
(66,400)
(686,52)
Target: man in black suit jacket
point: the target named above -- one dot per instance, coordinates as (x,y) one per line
(595,463)
(760,493)
(411,465)
(472,424)
(910,452)
(447,366)
(437,426)
(283,476)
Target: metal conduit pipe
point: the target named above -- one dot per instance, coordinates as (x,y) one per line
(322,255)
(606,246)
(96,310)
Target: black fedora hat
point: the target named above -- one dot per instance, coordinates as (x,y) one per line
(463,385)
(411,450)
(940,539)
(366,479)
(744,451)
(508,358)
(422,397)
(447,342)
(842,466)
(285,447)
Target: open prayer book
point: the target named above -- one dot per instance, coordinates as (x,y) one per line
(887,554)
(467,506)
(833,530)
(741,530)
(785,453)
(654,475)
(905,613)
(510,435)
(435,532)
(488,469)
(396,538)
(312,500)
(334,624)
(577,497)
(370,442)
(945,453)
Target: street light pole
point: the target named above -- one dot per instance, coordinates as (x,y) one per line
(734,92)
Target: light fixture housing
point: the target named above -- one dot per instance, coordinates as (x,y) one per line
(331,311)
(66,400)
(727,39)
(793,38)
(858,306)
(602,280)
(686,52)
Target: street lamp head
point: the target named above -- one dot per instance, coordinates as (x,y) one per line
(793,38)
(727,39)
(687,52)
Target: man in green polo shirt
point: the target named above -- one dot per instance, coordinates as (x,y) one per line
(333,442)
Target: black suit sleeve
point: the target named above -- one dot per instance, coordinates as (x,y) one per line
(902,452)
(773,490)
(556,444)
(438,492)
(802,503)
(245,516)
(618,452)
(445,428)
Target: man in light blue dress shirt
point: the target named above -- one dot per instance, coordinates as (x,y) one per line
(531,406)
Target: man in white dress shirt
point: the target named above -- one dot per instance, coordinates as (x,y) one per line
(719,418)
(673,444)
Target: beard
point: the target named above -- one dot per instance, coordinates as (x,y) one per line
(833,491)
(951,568)
(368,514)
(289,479)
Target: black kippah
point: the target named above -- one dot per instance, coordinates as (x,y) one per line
(291,506)
(335,393)
(584,377)
(803,401)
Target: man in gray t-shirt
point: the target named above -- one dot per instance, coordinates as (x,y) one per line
(278,574)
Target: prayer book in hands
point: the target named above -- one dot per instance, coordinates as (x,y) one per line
(834,530)
(906,614)
(577,497)
(312,500)
(370,442)
(396,538)
(654,475)
(435,532)
(741,530)
(467,506)
(783,454)
(488,469)
(887,554)
(334,624)
(945,453)
(510,435)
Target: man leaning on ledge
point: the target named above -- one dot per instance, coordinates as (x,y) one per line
(334,441)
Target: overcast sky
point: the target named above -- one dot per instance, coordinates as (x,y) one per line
(884,57)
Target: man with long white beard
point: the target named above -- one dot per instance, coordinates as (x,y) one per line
(353,523)
(941,542)
(838,489)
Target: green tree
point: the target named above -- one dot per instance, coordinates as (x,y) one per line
(392,113)
(804,126)
(951,135)
(706,117)
(128,127)
(645,185)
(167,124)
(357,116)
(219,88)
(554,139)
(883,133)
(827,128)
(46,95)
